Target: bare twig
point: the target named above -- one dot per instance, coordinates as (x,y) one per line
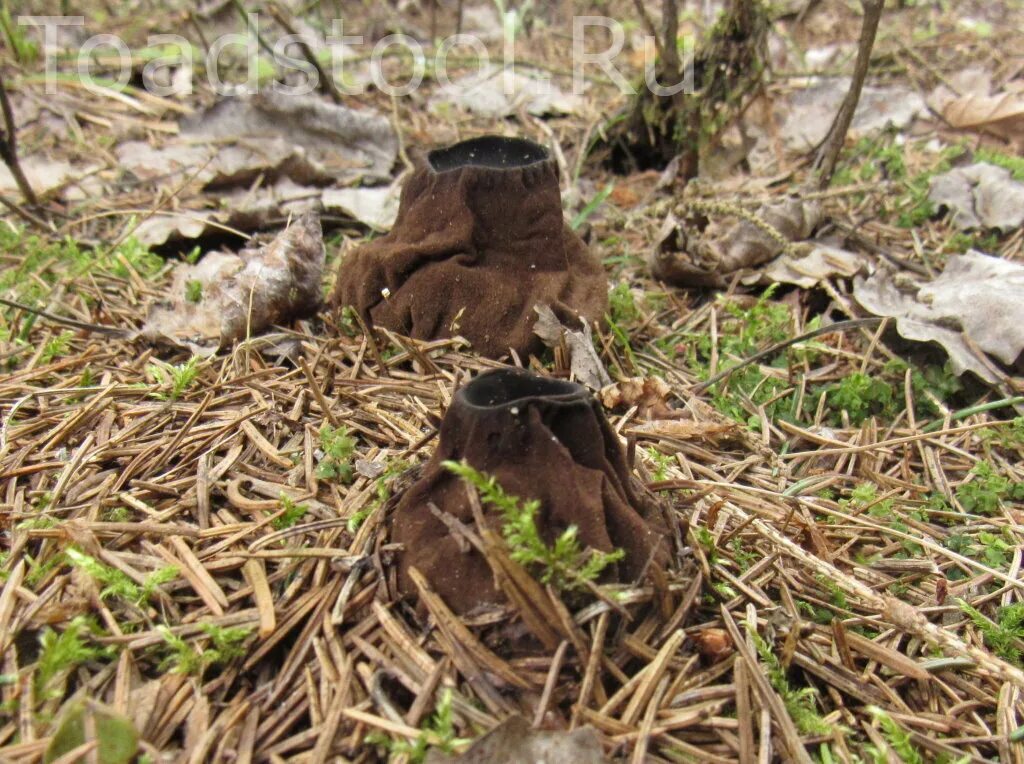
(327,83)
(21,212)
(647,21)
(828,152)
(669,32)
(9,148)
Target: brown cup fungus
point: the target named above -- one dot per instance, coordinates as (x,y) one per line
(478,242)
(542,439)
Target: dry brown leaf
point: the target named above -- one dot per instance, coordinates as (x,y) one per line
(584,363)
(1001,114)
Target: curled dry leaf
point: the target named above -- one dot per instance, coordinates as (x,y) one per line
(687,256)
(1001,114)
(226,296)
(808,269)
(514,741)
(265,156)
(584,362)
(980,195)
(649,394)
(974,303)
(376,207)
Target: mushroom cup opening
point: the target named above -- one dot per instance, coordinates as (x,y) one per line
(505,387)
(490,151)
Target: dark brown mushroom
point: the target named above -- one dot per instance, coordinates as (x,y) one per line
(541,438)
(479,241)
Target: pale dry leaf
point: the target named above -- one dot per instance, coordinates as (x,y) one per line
(980,195)
(808,114)
(514,741)
(241,138)
(239,210)
(808,269)
(496,92)
(44,175)
(584,362)
(242,294)
(975,303)
(375,207)
(340,142)
(259,160)
(710,258)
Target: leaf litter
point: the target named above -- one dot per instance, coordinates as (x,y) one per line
(828,550)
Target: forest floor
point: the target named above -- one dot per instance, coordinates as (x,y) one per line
(177,544)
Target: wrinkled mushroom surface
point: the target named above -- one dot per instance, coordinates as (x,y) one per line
(541,438)
(479,241)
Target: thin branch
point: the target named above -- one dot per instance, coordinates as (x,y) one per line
(9,148)
(24,214)
(828,153)
(327,83)
(670,32)
(648,22)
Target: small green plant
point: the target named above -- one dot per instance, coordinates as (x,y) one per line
(662,463)
(742,332)
(56,347)
(861,396)
(61,652)
(118,584)
(438,731)
(591,207)
(622,305)
(563,564)
(225,645)
(292,513)
(990,548)
(744,557)
(817,614)
(799,702)
(194,291)
(897,738)
(180,377)
(835,594)
(118,514)
(338,449)
(382,491)
(1005,635)
(865,495)
(986,490)
(706,539)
